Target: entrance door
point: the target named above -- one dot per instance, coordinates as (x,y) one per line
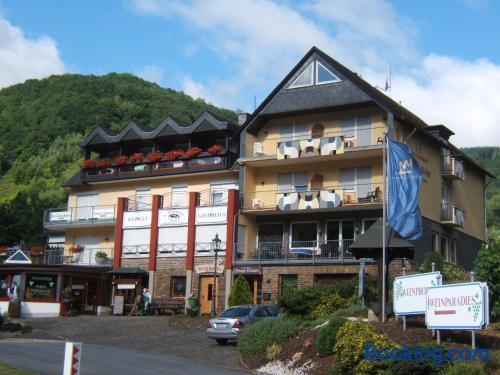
(91,245)
(206,291)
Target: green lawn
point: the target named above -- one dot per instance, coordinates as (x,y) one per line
(6,370)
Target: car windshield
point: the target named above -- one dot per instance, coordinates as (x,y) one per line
(236,312)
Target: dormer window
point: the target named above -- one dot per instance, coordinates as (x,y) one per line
(315,74)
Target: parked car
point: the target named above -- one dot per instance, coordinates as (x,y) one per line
(229,324)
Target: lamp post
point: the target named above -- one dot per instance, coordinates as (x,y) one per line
(216,247)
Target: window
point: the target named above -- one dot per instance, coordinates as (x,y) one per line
(178,286)
(143,199)
(287,283)
(435,241)
(179,196)
(323,75)
(444,247)
(305,78)
(304,234)
(292,182)
(218,193)
(357,180)
(289,132)
(357,131)
(367,223)
(453,251)
(270,233)
(236,312)
(445,202)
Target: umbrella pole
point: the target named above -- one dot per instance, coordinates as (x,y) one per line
(384,255)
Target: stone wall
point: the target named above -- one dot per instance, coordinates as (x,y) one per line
(141,263)
(165,269)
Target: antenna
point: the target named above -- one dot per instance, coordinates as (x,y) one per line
(254,102)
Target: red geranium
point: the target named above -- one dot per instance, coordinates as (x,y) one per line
(215,149)
(136,157)
(173,154)
(193,151)
(103,163)
(75,249)
(120,160)
(154,156)
(89,163)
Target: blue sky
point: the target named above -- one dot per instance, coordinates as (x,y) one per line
(443,54)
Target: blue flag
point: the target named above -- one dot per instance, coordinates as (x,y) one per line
(404,180)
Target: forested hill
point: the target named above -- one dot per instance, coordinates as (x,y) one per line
(489,158)
(41,122)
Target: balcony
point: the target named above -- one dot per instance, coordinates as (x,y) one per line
(207,249)
(452,215)
(295,252)
(359,195)
(58,256)
(306,148)
(452,168)
(203,162)
(60,218)
(135,251)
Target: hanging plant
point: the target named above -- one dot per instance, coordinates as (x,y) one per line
(121,160)
(75,249)
(173,155)
(136,157)
(193,151)
(154,156)
(89,163)
(103,163)
(215,149)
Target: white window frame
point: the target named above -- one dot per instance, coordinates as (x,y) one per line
(292,85)
(186,193)
(340,228)
(144,206)
(317,82)
(303,222)
(355,185)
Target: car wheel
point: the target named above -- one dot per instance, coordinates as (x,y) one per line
(221,341)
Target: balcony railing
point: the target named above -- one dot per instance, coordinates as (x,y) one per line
(452,215)
(334,143)
(452,167)
(295,251)
(135,250)
(206,248)
(80,215)
(328,197)
(172,249)
(201,163)
(60,256)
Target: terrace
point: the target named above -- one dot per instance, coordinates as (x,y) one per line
(60,218)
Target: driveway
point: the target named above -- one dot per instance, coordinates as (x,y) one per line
(178,336)
(46,358)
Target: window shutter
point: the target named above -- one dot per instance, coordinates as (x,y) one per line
(285,182)
(347,178)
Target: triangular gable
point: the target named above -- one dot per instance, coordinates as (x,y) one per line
(19,257)
(169,127)
(206,121)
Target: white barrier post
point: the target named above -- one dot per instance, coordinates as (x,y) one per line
(72,357)
(404,316)
(438,333)
(473,333)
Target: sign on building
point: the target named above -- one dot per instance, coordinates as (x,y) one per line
(209,268)
(136,219)
(173,217)
(409,292)
(457,306)
(42,287)
(211,215)
(60,216)
(103,213)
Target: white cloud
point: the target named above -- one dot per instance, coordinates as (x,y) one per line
(152,73)
(22,58)
(261,40)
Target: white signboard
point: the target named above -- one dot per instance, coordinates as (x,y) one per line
(173,217)
(126,286)
(103,213)
(211,215)
(409,292)
(456,306)
(118,302)
(209,268)
(60,216)
(136,219)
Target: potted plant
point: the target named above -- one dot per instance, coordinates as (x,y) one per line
(136,157)
(193,151)
(76,249)
(154,156)
(67,294)
(121,160)
(215,149)
(101,257)
(89,163)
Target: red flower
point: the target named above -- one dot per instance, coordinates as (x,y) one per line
(154,156)
(103,163)
(120,160)
(136,158)
(215,149)
(89,163)
(193,151)
(173,154)
(76,249)
(36,250)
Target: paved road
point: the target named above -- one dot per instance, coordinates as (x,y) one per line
(46,358)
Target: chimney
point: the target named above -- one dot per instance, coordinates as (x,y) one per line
(242,118)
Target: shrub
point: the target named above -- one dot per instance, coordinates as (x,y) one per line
(240,292)
(432,256)
(425,367)
(487,268)
(453,272)
(465,368)
(327,304)
(256,337)
(273,351)
(302,301)
(350,348)
(353,310)
(326,336)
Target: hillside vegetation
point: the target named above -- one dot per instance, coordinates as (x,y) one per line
(41,122)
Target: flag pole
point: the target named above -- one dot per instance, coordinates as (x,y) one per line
(384,286)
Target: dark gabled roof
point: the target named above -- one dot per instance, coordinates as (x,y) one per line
(351,91)
(206,121)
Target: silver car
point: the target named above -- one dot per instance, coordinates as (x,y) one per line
(229,324)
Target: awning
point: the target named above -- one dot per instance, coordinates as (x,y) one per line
(128,271)
(369,244)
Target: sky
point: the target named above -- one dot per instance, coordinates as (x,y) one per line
(444,56)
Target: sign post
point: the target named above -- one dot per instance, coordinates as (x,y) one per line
(72,358)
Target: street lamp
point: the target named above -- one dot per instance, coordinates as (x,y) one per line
(216,247)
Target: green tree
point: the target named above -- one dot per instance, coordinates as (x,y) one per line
(487,269)
(240,292)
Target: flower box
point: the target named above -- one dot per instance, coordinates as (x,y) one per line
(215,149)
